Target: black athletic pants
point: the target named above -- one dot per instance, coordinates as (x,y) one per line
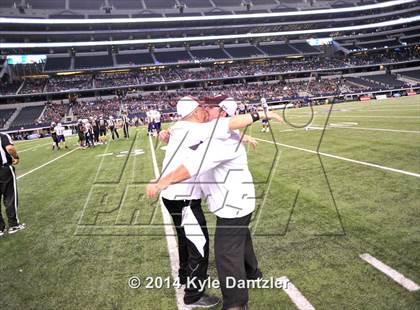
(114,132)
(235,258)
(96,134)
(126,134)
(8,189)
(191,263)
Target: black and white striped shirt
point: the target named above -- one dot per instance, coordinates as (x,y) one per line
(6,140)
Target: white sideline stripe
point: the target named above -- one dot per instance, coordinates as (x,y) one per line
(169,234)
(296,296)
(374,129)
(34,147)
(345,159)
(392,273)
(358,116)
(47,163)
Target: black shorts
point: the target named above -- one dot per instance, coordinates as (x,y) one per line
(81,136)
(102,132)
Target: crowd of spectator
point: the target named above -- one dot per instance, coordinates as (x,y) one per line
(103,80)
(174,74)
(247,93)
(9,88)
(54,111)
(77,82)
(33,86)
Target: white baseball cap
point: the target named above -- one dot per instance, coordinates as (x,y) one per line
(186,105)
(229,105)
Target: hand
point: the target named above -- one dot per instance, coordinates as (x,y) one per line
(164,136)
(250,140)
(152,190)
(15,161)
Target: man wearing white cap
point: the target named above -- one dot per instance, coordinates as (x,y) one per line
(219,166)
(184,200)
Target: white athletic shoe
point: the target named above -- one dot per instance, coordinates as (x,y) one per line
(15,229)
(2,232)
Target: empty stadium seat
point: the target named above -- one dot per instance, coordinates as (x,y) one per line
(387,79)
(5,115)
(415,74)
(278,49)
(305,48)
(172,56)
(136,59)
(209,53)
(27,117)
(243,51)
(57,63)
(98,61)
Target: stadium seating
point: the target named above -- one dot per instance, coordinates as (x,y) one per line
(172,57)
(364,83)
(135,59)
(387,79)
(159,4)
(232,3)
(27,117)
(98,61)
(305,48)
(78,82)
(244,51)
(209,53)
(47,4)
(9,88)
(57,63)
(415,74)
(379,44)
(7,3)
(85,5)
(197,3)
(33,86)
(126,4)
(278,49)
(5,115)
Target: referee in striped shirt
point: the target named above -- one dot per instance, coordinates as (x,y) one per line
(8,186)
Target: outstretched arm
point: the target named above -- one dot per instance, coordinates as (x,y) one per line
(243,120)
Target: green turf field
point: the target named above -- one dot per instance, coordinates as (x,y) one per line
(89,227)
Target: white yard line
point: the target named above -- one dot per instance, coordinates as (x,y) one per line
(357,116)
(47,163)
(369,129)
(397,109)
(34,147)
(170,237)
(345,159)
(296,296)
(392,273)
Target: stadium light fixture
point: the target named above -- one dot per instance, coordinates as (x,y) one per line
(211,38)
(39,21)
